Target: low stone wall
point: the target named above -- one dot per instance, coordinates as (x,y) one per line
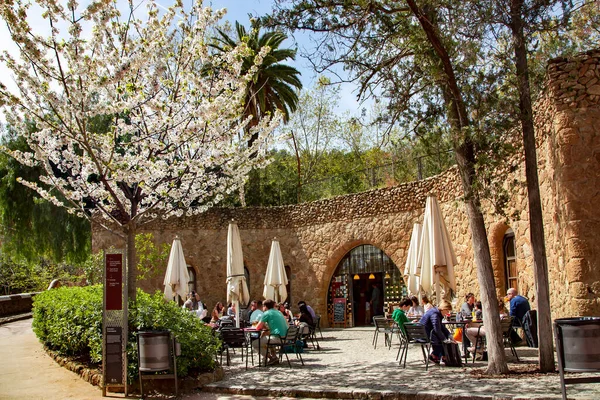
(16,304)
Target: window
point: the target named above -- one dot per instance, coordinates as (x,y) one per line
(247,275)
(288,287)
(510,260)
(192,281)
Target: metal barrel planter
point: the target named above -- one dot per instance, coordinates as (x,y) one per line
(577,348)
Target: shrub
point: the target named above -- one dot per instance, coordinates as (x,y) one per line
(69,321)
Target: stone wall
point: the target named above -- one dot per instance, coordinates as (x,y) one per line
(16,304)
(315,236)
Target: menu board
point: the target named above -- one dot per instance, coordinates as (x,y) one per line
(339,310)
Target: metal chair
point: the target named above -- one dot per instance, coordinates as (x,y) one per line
(312,335)
(417,335)
(290,339)
(235,338)
(382,325)
(318,326)
(507,332)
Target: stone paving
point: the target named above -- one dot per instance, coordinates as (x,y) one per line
(349,367)
(346,367)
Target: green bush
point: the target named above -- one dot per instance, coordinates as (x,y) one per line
(69,320)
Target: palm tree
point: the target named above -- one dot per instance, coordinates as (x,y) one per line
(275,85)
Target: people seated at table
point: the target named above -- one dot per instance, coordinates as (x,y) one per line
(305,321)
(416,310)
(257,313)
(310,309)
(519,305)
(432,320)
(193,304)
(426,303)
(217,312)
(188,304)
(399,314)
(276,327)
(286,313)
(468,306)
(475,330)
(478,311)
(231,310)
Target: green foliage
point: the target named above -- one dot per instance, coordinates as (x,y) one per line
(69,321)
(22,277)
(149,256)
(32,228)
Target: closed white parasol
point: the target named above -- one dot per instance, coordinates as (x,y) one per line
(410,269)
(176,277)
(237,288)
(276,278)
(436,258)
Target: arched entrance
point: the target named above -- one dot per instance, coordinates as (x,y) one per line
(365,283)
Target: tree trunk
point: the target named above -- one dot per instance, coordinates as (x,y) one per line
(536,223)
(465,157)
(485,273)
(130,231)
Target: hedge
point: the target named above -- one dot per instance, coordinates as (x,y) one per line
(68,320)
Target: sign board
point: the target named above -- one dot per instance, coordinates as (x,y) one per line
(339,310)
(114,321)
(114,281)
(114,355)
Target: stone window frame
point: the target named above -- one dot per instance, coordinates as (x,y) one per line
(509,237)
(288,287)
(192,281)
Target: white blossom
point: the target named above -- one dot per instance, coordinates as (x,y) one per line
(131,124)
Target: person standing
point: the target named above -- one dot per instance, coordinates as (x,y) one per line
(275,322)
(375,301)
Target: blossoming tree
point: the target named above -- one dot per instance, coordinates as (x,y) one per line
(125,114)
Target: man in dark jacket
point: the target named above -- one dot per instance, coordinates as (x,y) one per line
(432,320)
(518,305)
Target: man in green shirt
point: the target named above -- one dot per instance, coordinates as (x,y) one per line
(275,322)
(399,314)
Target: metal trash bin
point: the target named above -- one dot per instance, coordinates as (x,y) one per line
(577,348)
(157,352)
(154,351)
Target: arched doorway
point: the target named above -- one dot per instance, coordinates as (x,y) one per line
(365,283)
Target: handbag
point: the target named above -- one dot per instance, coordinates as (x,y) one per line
(458,335)
(452,353)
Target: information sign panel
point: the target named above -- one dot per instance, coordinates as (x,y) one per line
(114,281)
(114,355)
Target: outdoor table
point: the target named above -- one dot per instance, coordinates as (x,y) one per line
(253,334)
(463,325)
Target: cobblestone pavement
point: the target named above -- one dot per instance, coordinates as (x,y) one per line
(346,367)
(349,367)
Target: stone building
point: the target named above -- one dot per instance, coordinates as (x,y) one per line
(336,248)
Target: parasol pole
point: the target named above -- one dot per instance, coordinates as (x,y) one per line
(236,306)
